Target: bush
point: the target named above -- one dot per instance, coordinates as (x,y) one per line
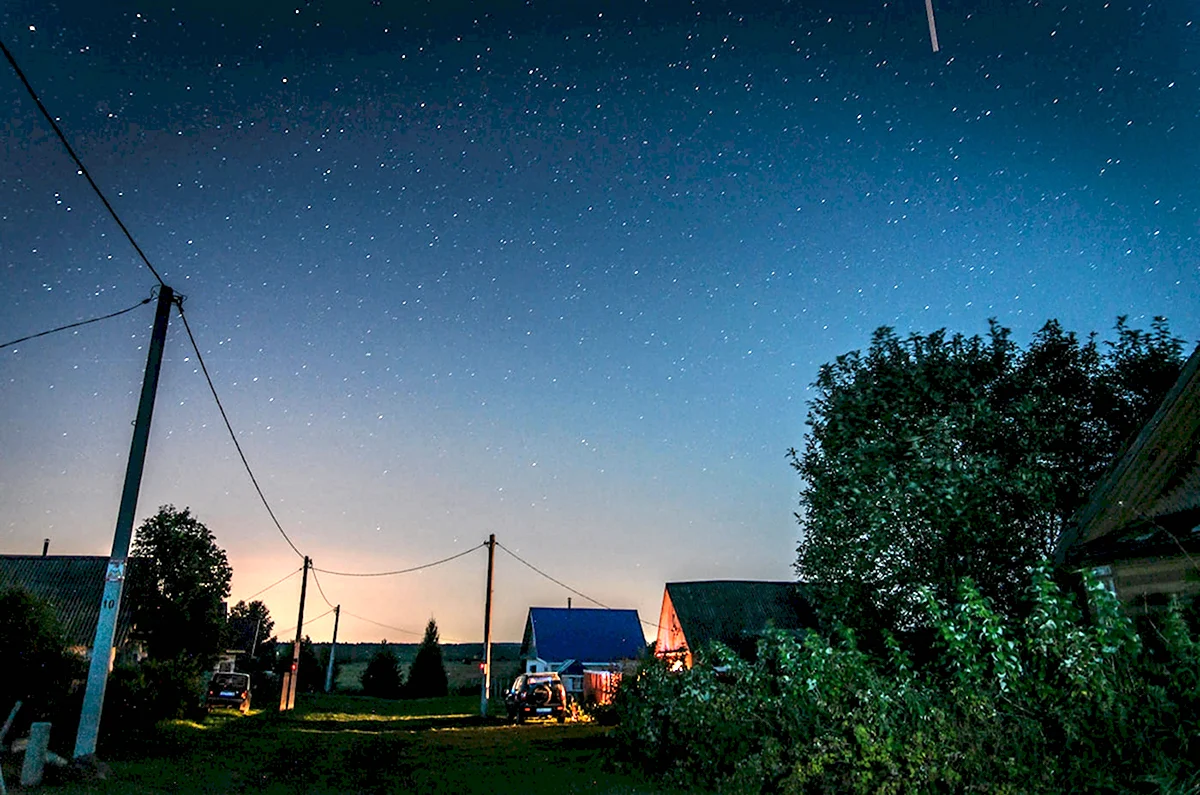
(36,668)
(140,695)
(1053,703)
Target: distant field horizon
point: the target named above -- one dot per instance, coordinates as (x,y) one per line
(451,652)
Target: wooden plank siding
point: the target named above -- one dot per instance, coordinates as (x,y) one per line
(1149,584)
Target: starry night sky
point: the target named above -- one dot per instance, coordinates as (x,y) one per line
(561,272)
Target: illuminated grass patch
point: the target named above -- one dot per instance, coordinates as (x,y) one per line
(345,744)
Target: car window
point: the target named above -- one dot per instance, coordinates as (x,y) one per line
(231,681)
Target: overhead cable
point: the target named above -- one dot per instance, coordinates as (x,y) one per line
(320,590)
(381,624)
(569,588)
(143,302)
(399,571)
(400,629)
(272,585)
(232,435)
(78,163)
(309,621)
(551,579)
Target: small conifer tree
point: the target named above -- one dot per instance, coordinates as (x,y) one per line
(427,676)
(382,677)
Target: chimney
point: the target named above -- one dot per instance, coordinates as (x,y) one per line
(45,546)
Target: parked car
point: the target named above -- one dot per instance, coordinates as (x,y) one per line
(540,695)
(229,690)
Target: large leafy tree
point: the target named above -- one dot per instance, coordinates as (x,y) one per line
(178,585)
(932,458)
(427,674)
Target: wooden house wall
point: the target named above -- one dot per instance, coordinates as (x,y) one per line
(1148,584)
(671,642)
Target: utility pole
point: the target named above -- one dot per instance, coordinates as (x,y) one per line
(114,577)
(487,630)
(337,613)
(287,698)
(254,645)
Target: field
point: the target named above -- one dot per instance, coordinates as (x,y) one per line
(336,744)
(461,662)
(461,677)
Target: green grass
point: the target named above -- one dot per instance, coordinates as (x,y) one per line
(343,744)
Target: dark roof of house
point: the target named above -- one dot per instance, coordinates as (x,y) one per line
(72,586)
(585,634)
(1164,537)
(734,611)
(1155,482)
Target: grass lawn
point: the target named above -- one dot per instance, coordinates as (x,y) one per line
(335,744)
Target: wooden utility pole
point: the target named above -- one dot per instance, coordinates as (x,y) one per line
(114,577)
(287,697)
(487,630)
(337,613)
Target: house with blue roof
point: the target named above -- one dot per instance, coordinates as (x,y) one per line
(584,645)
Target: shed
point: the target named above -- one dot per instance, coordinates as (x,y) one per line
(581,644)
(733,612)
(72,586)
(1140,529)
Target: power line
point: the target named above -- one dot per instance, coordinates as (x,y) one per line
(399,629)
(272,585)
(262,497)
(551,579)
(309,621)
(569,588)
(398,571)
(232,435)
(381,624)
(77,325)
(320,590)
(78,163)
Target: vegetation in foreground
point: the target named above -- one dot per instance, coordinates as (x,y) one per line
(935,458)
(355,744)
(1048,704)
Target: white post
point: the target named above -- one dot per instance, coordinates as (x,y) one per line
(35,755)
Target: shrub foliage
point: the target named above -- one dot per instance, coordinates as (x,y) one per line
(1054,702)
(36,666)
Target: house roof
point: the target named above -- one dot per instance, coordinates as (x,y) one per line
(1155,482)
(72,586)
(585,634)
(733,611)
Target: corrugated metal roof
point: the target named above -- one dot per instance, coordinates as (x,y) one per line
(582,633)
(1157,476)
(72,586)
(733,611)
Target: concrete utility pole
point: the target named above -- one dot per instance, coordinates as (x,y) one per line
(114,578)
(337,613)
(287,698)
(487,630)
(933,40)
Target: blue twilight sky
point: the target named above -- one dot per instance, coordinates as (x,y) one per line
(561,272)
